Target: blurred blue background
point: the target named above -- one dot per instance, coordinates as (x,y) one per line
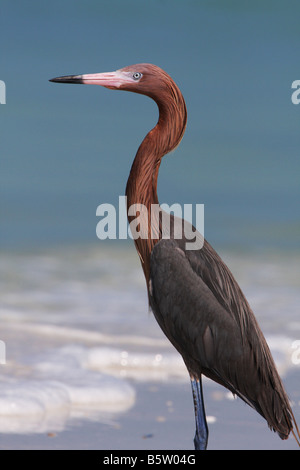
(66,149)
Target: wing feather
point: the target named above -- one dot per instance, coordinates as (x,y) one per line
(203,312)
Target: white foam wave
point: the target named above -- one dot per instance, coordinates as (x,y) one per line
(87,335)
(59,388)
(151,366)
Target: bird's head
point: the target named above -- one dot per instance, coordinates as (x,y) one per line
(146,79)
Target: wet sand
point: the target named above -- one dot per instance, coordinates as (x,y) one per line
(162,419)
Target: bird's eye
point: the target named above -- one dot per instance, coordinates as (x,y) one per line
(137,75)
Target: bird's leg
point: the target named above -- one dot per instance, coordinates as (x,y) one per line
(201,436)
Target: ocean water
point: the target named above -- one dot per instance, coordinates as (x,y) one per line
(73,309)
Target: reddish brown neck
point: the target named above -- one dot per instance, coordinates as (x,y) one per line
(142,182)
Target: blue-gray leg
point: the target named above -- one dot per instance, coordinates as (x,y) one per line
(201,436)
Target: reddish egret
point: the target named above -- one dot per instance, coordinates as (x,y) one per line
(193,295)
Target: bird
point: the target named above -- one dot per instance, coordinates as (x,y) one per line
(193,295)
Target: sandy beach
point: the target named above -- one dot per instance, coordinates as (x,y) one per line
(162,418)
(88,367)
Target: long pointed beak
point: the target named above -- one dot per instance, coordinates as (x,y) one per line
(108,79)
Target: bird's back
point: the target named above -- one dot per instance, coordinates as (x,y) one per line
(205,315)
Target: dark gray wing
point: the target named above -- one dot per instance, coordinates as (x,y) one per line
(204,314)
